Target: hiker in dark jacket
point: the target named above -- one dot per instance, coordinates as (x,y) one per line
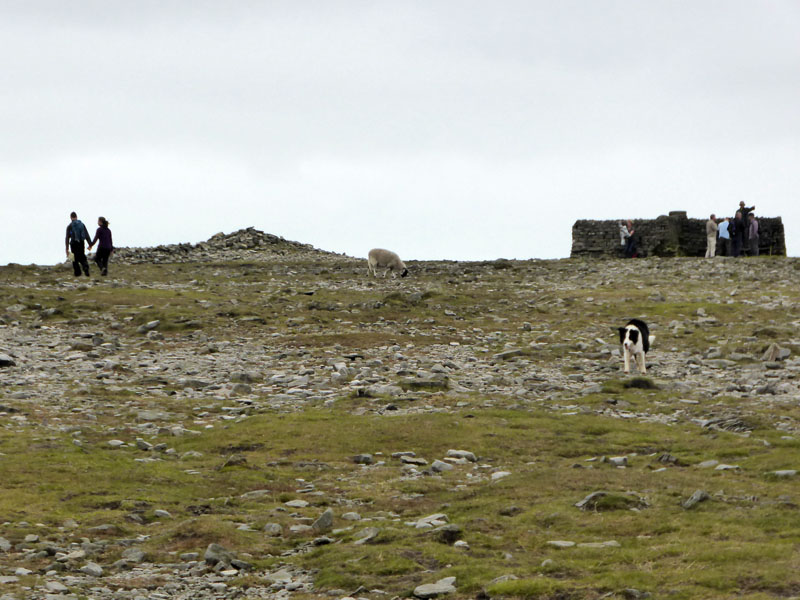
(746,220)
(76,235)
(106,247)
(737,234)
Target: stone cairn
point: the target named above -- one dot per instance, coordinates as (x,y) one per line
(668,235)
(245,244)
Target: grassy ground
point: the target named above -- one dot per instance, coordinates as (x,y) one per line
(741,543)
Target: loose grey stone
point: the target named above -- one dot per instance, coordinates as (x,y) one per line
(92,569)
(447,534)
(217,554)
(634,594)
(324,522)
(241,565)
(466,455)
(143,445)
(243,377)
(431,590)
(242,389)
(273,529)
(149,326)
(255,494)
(695,499)
(721,363)
(608,544)
(296,503)
(7,361)
(775,353)
(724,467)
(134,555)
(366,535)
(509,354)
(363,459)
(785,473)
(56,587)
(195,384)
(439,466)
(590,501)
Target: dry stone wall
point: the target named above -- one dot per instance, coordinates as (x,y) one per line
(668,235)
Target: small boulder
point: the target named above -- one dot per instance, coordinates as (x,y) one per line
(324,522)
(218,554)
(431,590)
(695,499)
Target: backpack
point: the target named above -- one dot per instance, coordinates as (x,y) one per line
(77,231)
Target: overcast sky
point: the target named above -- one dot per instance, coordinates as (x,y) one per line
(439,129)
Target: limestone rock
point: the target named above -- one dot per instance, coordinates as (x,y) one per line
(324,522)
(431,590)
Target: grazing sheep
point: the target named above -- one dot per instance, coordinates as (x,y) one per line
(385,259)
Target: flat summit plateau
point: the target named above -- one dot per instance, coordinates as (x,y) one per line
(251,417)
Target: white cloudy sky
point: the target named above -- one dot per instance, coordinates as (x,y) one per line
(439,128)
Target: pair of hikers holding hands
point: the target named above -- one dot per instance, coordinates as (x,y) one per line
(77,234)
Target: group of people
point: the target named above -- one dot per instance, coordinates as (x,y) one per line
(737,236)
(77,234)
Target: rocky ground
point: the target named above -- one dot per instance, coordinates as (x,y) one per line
(182,350)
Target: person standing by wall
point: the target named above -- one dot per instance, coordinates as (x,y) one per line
(630,244)
(752,232)
(746,220)
(106,246)
(76,235)
(623,236)
(737,235)
(711,236)
(724,237)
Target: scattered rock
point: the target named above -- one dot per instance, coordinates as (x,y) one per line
(431,590)
(695,499)
(92,569)
(324,522)
(447,534)
(366,535)
(604,501)
(218,554)
(785,473)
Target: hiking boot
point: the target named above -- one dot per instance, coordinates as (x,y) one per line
(104,272)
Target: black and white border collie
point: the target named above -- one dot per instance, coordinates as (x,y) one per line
(635,339)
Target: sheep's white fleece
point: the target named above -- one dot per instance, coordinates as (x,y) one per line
(384,259)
